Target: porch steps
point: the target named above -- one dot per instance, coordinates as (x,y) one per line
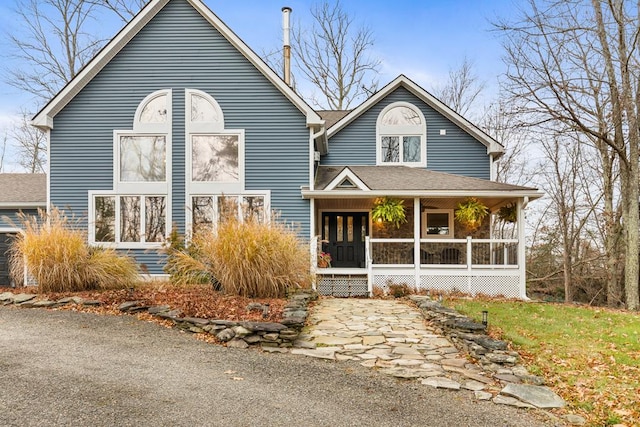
(342,285)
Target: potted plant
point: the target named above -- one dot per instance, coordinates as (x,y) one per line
(470,213)
(390,211)
(324,259)
(508,213)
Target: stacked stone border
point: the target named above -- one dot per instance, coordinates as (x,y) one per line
(270,336)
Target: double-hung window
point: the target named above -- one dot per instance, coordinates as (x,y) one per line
(401,136)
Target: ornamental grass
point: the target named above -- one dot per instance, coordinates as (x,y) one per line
(249,259)
(57,256)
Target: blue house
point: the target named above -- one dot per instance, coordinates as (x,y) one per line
(177,123)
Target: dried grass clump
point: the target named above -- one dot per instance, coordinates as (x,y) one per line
(57,256)
(248,259)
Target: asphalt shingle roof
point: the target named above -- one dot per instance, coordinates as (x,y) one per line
(331,117)
(23,188)
(406,178)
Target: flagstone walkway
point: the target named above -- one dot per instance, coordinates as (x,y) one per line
(391,336)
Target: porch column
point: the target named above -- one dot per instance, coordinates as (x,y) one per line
(416,241)
(521,250)
(313,240)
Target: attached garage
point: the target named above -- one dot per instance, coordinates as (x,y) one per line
(19,192)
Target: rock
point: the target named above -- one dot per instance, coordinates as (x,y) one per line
(254,306)
(506,400)
(458,363)
(273,337)
(241,331)
(474,385)
(44,303)
(441,382)
(263,326)
(172,315)
(482,395)
(502,359)
(304,344)
(490,343)
(373,340)
(22,298)
(227,323)
(465,325)
(477,377)
(401,372)
(6,296)
(195,330)
(91,302)
(575,420)
(159,309)
(252,339)
(510,378)
(539,396)
(226,334)
(196,321)
(127,305)
(213,329)
(69,300)
(138,309)
(318,353)
(293,321)
(274,349)
(531,379)
(237,343)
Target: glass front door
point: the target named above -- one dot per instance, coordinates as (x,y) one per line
(344,235)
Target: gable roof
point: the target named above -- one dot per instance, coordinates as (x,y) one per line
(389,180)
(23,190)
(331,117)
(44,118)
(493,146)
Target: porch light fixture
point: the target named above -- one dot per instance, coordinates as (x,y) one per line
(485,317)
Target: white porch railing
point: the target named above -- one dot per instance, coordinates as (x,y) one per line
(446,253)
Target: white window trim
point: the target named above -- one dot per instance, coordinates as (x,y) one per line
(400,131)
(346,174)
(198,188)
(423,226)
(125,245)
(216,186)
(259,193)
(151,127)
(124,187)
(197,127)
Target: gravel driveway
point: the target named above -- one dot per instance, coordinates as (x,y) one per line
(61,368)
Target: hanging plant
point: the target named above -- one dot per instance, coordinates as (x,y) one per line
(470,213)
(389,211)
(508,213)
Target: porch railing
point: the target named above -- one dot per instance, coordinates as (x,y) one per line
(450,253)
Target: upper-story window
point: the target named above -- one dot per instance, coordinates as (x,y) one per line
(215,155)
(401,136)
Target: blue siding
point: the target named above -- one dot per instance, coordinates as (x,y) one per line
(456,152)
(9,217)
(179,49)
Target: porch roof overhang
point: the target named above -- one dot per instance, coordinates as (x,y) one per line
(403,181)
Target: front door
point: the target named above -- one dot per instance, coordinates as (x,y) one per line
(343,234)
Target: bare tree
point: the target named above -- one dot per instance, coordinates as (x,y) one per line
(54,43)
(334,57)
(461,89)
(30,144)
(125,9)
(576,63)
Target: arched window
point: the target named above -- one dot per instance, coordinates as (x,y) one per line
(401,136)
(136,213)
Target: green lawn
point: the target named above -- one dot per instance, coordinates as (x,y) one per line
(590,356)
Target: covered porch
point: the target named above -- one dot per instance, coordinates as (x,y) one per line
(431,250)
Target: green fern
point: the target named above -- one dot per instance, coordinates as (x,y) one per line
(390,211)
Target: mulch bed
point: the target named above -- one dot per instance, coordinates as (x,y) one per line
(193,301)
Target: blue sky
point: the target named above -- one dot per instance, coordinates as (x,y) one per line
(420,38)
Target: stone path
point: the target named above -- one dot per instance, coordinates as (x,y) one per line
(388,335)
(395,338)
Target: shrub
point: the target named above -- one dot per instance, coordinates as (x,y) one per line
(249,259)
(58,257)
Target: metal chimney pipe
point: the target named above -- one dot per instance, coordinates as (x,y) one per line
(286,13)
